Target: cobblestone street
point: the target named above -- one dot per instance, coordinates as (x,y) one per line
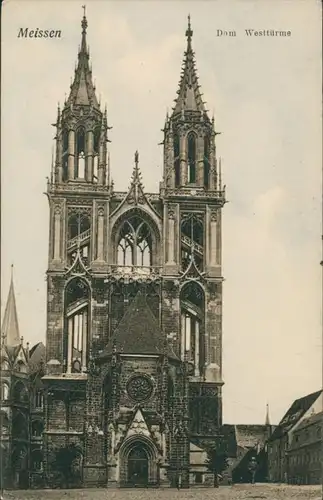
(272,492)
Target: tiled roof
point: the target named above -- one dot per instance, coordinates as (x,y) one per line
(294,413)
(138,332)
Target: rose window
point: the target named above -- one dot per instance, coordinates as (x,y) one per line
(139,388)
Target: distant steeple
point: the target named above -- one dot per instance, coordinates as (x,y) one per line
(10,327)
(189,96)
(267,421)
(82,88)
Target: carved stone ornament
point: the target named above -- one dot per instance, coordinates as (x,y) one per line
(171,211)
(139,388)
(57,209)
(214,215)
(101,211)
(79,210)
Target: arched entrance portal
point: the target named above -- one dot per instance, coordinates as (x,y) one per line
(138,465)
(138,462)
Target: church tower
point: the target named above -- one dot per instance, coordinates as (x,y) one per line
(134,297)
(193,198)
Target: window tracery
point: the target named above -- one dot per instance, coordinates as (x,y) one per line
(77,300)
(135,243)
(192,240)
(139,388)
(79,235)
(192,325)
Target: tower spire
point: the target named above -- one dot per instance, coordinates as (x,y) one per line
(82,88)
(10,327)
(189,96)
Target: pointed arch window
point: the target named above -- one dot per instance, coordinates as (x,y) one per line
(79,236)
(39,399)
(177,159)
(65,155)
(77,302)
(191,158)
(80,154)
(192,300)
(192,236)
(135,243)
(96,153)
(206,161)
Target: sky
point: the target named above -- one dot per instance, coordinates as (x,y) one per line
(266,96)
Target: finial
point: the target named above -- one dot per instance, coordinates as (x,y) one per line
(84,21)
(11,272)
(21,340)
(136,158)
(189,32)
(3,336)
(267,415)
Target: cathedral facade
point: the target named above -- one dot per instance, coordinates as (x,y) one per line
(132,377)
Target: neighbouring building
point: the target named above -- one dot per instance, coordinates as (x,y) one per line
(306,451)
(244,443)
(21,411)
(133,377)
(281,441)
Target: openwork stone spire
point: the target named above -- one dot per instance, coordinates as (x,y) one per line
(10,327)
(189,97)
(82,88)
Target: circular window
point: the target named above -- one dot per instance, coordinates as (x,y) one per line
(139,388)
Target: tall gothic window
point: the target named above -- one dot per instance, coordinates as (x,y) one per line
(192,325)
(80,154)
(77,301)
(96,153)
(192,236)
(79,234)
(206,161)
(65,155)
(135,243)
(177,160)
(191,158)
(4,391)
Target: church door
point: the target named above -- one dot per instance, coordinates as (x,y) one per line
(138,466)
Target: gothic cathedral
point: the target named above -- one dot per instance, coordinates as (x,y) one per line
(134,297)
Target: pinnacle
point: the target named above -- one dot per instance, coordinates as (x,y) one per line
(10,327)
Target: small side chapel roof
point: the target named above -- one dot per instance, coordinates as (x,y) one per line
(138,332)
